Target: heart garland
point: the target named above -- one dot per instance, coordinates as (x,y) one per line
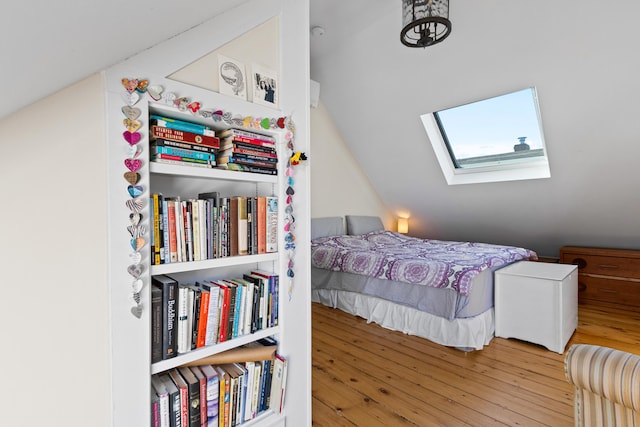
(133,90)
(137,231)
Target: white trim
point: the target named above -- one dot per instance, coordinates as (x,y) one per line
(536,169)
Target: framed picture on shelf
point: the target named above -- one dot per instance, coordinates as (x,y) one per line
(232,77)
(265,86)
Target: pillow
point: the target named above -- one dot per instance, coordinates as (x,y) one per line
(328,226)
(358,224)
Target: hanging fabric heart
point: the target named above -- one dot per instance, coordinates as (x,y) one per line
(137,243)
(136,230)
(246,122)
(131,112)
(133,164)
(169,98)
(136,270)
(194,107)
(130,85)
(131,125)
(135,190)
(131,98)
(290,191)
(137,311)
(265,123)
(280,122)
(181,103)
(134,151)
(131,137)
(137,285)
(142,86)
(135,298)
(155,92)
(135,218)
(132,177)
(135,205)
(135,257)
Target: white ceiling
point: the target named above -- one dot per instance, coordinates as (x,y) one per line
(48,45)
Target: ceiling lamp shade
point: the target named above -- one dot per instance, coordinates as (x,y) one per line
(424,22)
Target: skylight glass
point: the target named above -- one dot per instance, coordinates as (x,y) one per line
(496,139)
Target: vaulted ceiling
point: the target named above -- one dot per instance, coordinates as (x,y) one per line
(579,54)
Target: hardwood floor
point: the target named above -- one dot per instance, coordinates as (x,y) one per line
(365,375)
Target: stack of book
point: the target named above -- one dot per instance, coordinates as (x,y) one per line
(245,150)
(180,142)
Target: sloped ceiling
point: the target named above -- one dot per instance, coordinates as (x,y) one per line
(579,54)
(48,45)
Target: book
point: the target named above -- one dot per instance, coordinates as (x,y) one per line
(224,399)
(193,386)
(261,224)
(182,125)
(278,384)
(203,318)
(180,162)
(178,158)
(155,237)
(213,312)
(212,396)
(202,380)
(271,222)
(163,400)
(225,295)
(247,149)
(233,226)
(242,225)
(183,319)
(156,323)
(172,230)
(183,388)
(180,152)
(183,145)
(247,136)
(195,293)
(177,135)
(265,384)
(169,288)
(234,380)
(213,232)
(174,400)
(245,168)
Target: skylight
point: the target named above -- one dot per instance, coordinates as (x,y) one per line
(496,139)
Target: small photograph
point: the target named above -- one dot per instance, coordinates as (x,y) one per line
(232,77)
(265,86)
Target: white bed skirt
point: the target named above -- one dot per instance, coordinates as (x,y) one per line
(471,333)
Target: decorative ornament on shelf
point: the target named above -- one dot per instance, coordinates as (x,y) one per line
(424,22)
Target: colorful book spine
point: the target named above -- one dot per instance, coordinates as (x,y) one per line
(175,124)
(173,134)
(183,145)
(190,160)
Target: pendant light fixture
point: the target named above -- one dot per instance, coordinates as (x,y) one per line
(425,22)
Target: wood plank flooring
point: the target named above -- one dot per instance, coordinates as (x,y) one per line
(365,375)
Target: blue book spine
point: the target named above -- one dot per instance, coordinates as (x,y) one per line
(236,315)
(183,153)
(180,125)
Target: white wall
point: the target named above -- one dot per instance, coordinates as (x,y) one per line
(338,185)
(53,260)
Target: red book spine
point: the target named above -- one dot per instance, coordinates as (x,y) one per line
(224,313)
(204,315)
(184,136)
(254,141)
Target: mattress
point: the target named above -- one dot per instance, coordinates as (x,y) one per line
(446,303)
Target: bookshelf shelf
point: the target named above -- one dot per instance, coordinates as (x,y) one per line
(179,267)
(196,172)
(193,355)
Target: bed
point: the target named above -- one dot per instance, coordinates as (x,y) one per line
(438,290)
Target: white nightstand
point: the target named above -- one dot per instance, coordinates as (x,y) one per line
(537,302)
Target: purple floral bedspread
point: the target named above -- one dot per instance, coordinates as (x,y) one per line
(393,256)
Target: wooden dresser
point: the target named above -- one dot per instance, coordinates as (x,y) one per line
(605,275)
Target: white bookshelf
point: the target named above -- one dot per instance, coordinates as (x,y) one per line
(131,366)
